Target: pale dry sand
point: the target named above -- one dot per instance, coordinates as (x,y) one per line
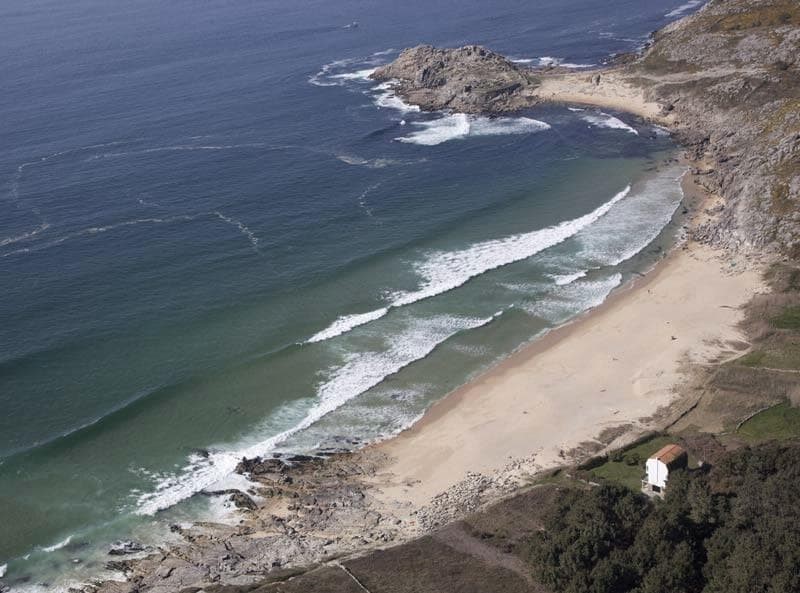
(614,91)
(618,364)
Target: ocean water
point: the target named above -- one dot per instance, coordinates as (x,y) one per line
(217,234)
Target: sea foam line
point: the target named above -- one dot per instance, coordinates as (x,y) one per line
(360,372)
(251,237)
(243,228)
(58,545)
(443,271)
(24,236)
(460,125)
(545,61)
(362,198)
(177,148)
(604,120)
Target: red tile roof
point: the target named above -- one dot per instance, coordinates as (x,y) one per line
(669,453)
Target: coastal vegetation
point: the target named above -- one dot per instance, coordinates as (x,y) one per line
(778,422)
(732,529)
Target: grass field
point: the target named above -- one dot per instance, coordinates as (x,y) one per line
(626,467)
(778,422)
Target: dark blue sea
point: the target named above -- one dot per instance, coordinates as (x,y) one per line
(218,235)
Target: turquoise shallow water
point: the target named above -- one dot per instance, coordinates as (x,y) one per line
(217,234)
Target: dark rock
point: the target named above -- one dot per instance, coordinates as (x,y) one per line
(469,79)
(122,548)
(258,466)
(237,497)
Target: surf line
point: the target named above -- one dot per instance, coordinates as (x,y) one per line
(444,271)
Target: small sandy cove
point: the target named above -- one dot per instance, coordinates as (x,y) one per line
(616,365)
(607,88)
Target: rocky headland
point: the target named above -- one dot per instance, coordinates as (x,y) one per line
(470,79)
(725,81)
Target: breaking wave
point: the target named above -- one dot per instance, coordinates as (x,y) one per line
(57,546)
(359,372)
(546,61)
(388,99)
(574,298)
(604,120)
(459,125)
(443,271)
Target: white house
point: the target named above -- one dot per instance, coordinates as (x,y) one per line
(669,457)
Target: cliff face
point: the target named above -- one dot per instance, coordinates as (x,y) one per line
(469,79)
(730,74)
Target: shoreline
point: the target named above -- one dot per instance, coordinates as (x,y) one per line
(493,426)
(592,384)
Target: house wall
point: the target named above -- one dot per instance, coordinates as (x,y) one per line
(657,473)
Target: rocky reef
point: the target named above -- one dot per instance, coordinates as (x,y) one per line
(470,79)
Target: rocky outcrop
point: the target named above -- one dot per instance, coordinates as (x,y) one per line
(730,74)
(470,79)
(728,82)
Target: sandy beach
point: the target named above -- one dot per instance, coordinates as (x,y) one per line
(612,90)
(617,365)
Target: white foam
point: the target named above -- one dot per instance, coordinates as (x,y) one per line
(341,72)
(362,198)
(546,61)
(251,237)
(177,148)
(57,546)
(459,125)
(243,228)
(360,372)
(684,8)
(378,163)
(104,229)
(357,75)
(575,298)
(564,279)
(346,323)
(387,99)
(3,570)
(635,223)
(443,271)
(604,120)
(24,236)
